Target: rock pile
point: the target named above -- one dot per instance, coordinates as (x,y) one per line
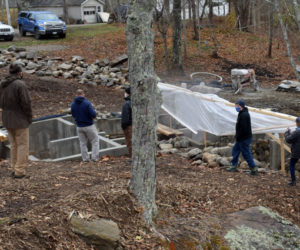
(217,157)
(101,72)
(172,145)
(289,86)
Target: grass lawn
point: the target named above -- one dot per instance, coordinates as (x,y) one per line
(74,34)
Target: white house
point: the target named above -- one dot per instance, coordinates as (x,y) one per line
(78,10)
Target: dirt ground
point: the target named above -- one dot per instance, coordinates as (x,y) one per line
(39,206)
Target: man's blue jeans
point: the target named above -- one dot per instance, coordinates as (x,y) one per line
(293,163)
(244,148)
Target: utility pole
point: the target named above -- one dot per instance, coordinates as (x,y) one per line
(8,13)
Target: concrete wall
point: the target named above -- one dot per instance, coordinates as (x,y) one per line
(67,147)
(40,133)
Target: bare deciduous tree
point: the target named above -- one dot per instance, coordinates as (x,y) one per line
(271,29)
(296,7)
(242,12)
(145,104)
(177,54)
(286,39)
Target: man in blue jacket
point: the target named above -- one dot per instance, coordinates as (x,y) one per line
(84,115)
(243,139)
(294,139)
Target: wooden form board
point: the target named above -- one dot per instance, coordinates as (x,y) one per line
(3,137)
(167,131)
(283,147)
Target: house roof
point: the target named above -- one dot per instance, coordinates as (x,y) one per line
(55,3)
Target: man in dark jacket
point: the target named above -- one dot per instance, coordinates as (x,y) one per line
(127,120)
(294,139)
(243,139)
(84,115)
(16,117)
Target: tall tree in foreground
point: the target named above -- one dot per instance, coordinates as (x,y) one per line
(286,39)
(177,54)
(145,104)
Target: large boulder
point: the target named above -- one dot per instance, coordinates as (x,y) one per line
(260,228)
(194,152)
(223,151)
(103,234)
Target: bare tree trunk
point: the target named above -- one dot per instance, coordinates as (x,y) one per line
(145,104)
(211,12)
(109,3)
(66,16)
(184,30)
(8,12)
(203,11)
(242,13)
(296,7)
(286,39)
(215,52)
(196,31)
(271,30)
(254,16)
(198,24)
(177,54)
(167,6)
(190,9)
(119,18)
(2,11)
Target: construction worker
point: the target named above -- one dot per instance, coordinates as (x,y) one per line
(243,139)
(84,115)
(294,139)
(126,122)
(16,117)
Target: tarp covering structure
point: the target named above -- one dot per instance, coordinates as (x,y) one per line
(212,114)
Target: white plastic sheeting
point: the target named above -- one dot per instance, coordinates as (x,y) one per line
(212,114)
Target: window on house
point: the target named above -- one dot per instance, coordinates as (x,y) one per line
(99,8)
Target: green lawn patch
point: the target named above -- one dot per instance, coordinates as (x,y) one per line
(74,34)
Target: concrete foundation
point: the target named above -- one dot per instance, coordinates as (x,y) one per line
(56,139)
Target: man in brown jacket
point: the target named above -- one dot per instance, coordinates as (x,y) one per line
(16,117)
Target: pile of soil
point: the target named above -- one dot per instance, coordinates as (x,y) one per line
(51,96)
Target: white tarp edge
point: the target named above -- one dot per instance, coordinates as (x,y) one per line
(212,114)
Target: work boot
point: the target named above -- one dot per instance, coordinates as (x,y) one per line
(253,171)
(13,175)
(292,183)
(232,169)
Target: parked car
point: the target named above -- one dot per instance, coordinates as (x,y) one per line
(41,23)
(6,32)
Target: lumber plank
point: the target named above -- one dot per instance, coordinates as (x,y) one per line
(167,131)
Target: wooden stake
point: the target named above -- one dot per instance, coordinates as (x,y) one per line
(282,153)
(205,139)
